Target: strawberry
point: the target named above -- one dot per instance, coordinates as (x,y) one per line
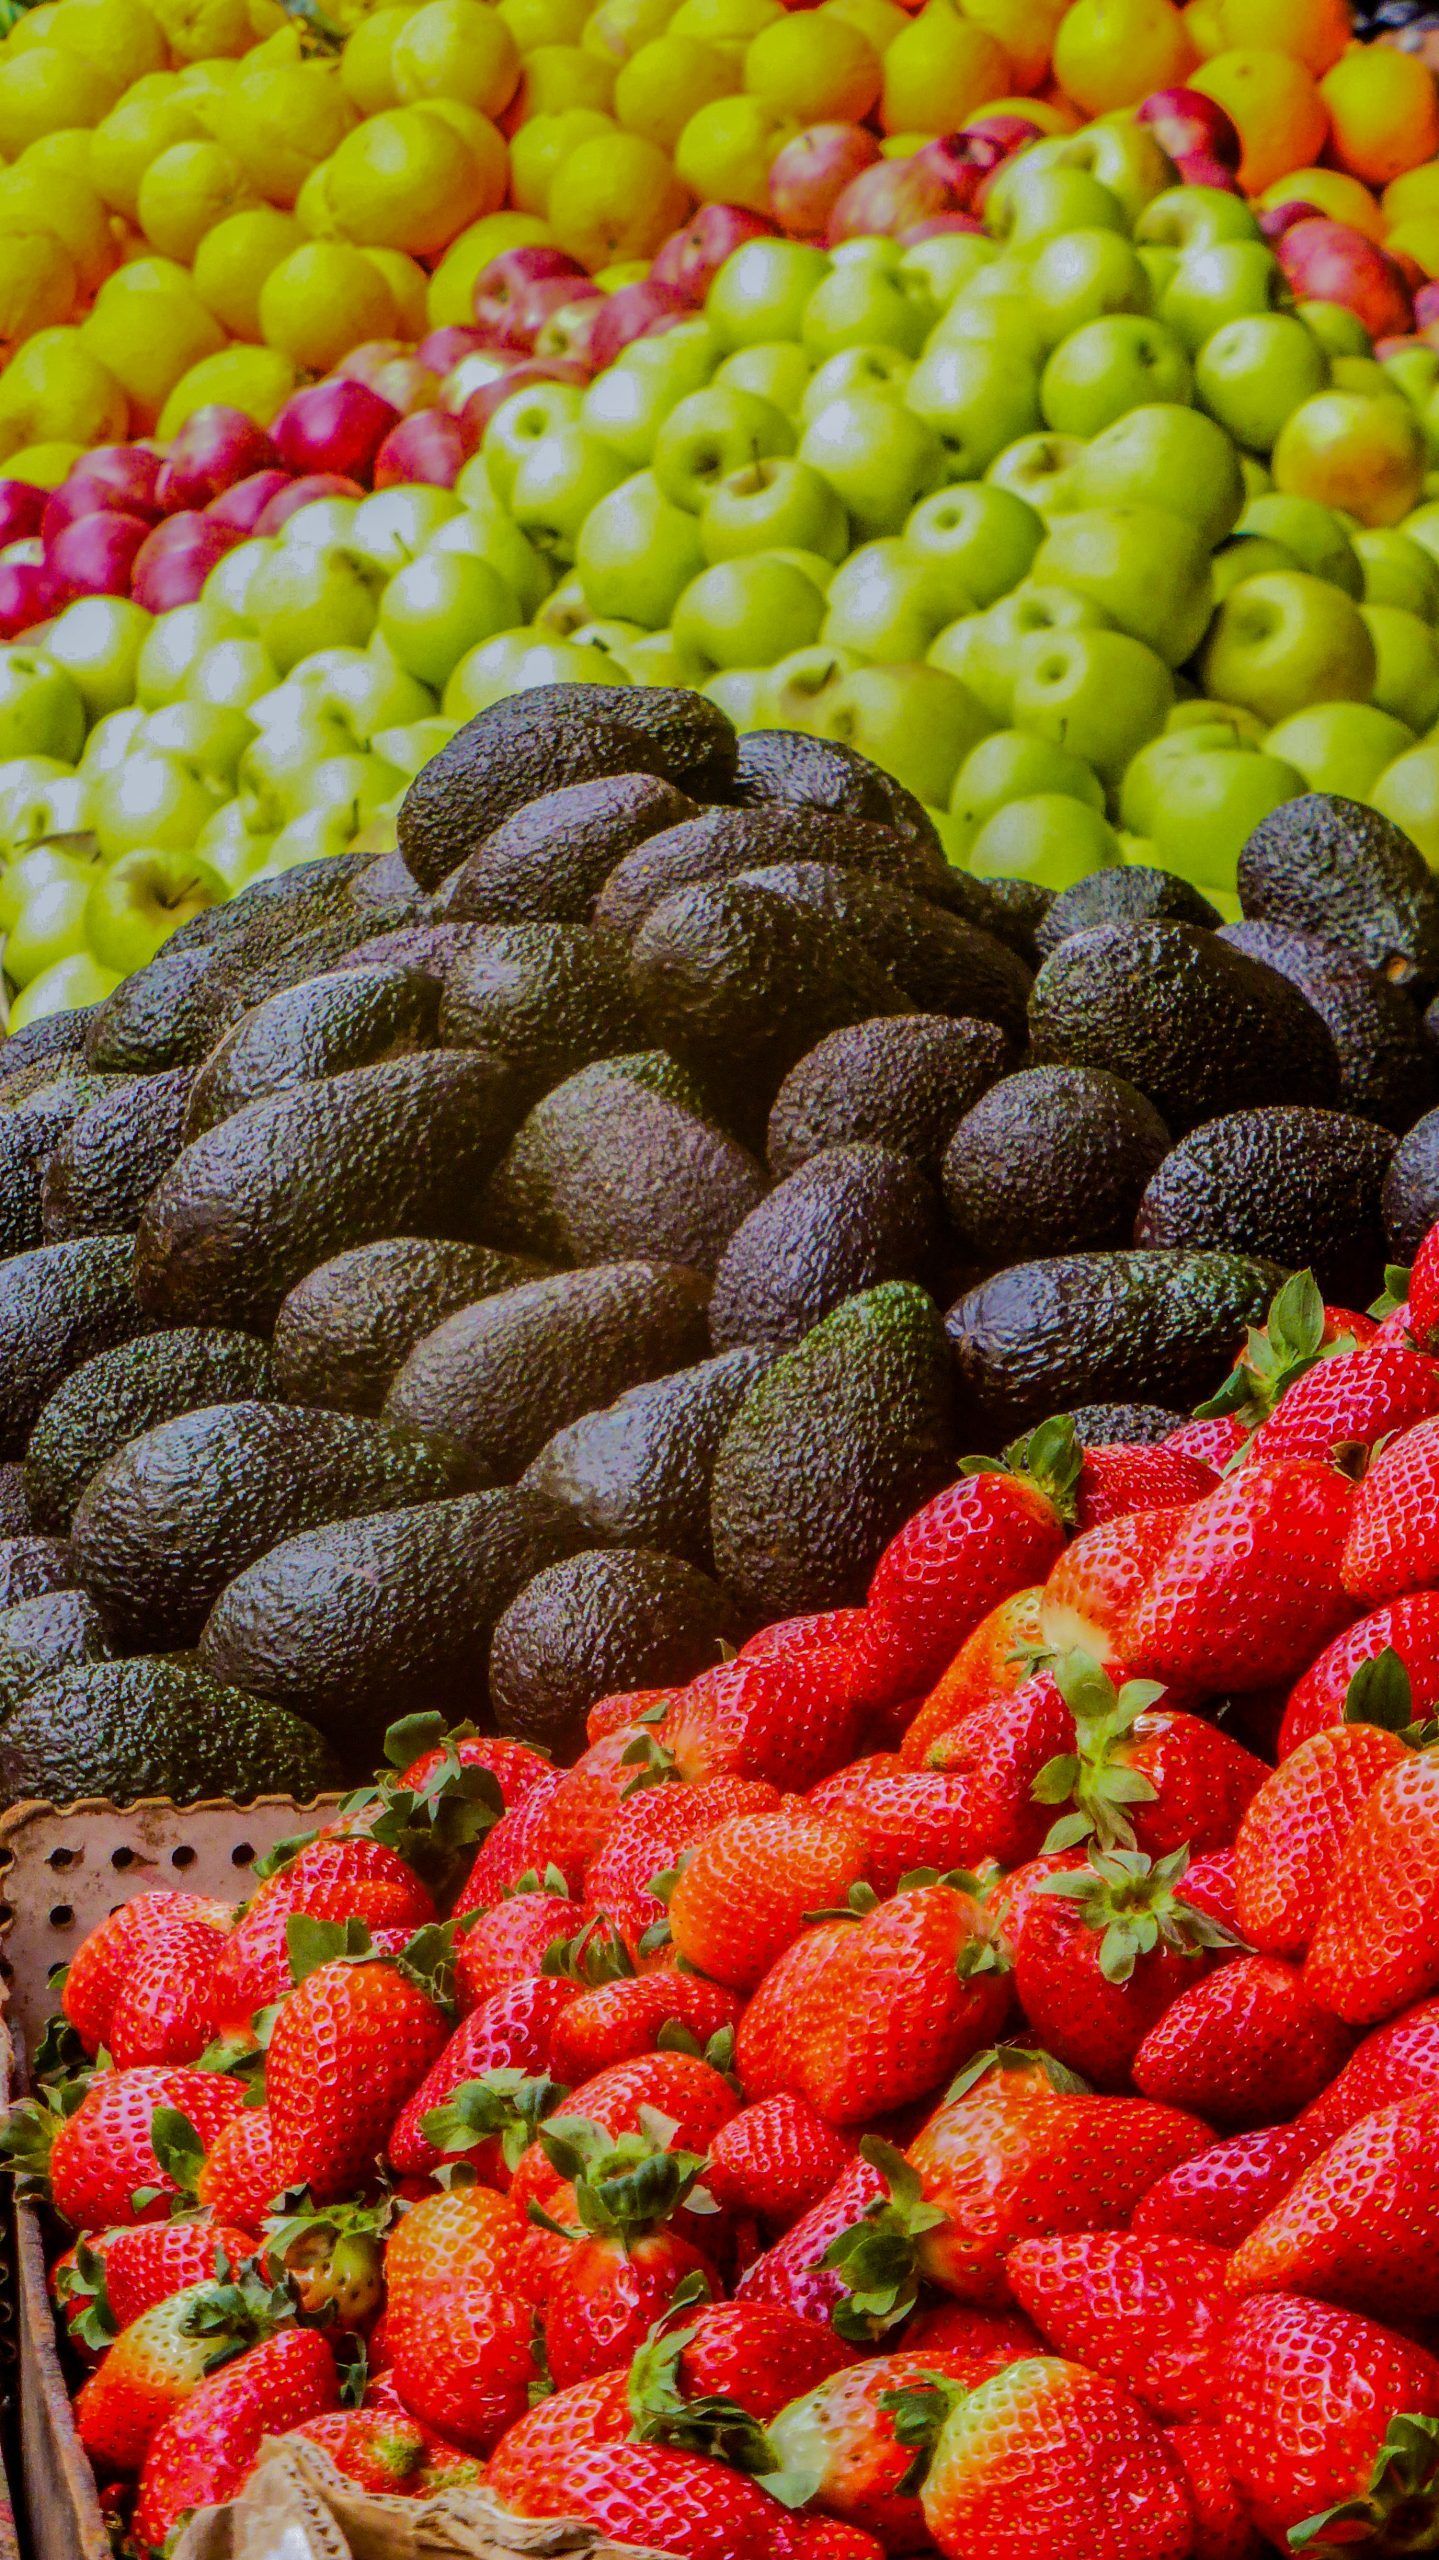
(1220,2194)
(594,2412)
(513,2031)
(99,2159)
(1214,1439)
(625,2266)
(1423,1292)
(960,2327)
(515,1766)
(1224,2530)
(1100,1576)
(106,1956)
(1398,2060)
(355,2036)
(795,2271)
(1350,1402)
(823,2538)
(1375,1946)
(144,2263)
(999,1752)
(1326,2414)
(1046,2461)
(1121,1477)
(791,1717)
(160,2358)
(908,1817)
(752,2356)
(237,2179)
(332,1878)
(1141,1775)
(623,1709)
(991,1661)
(640,2013)
(376,2448)
(561,1823)
(165,2009)
(1250,1587)
(1101,1942)
(332,2257)
(1360,2225)
(1209,1886)
(509,1943)
(694,2098)
(902,1995)
(850,2443)
(460,2327)
(1393,1541)
(1243,2046)
(684,2504)
(1294,1829)
(1150,2313)
(1408,1627)
(744,1890)
(775,2159)
(1000,1527)
(1298,1333)
(206,2452)
(650,1832)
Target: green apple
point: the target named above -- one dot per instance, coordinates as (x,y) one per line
(1038,204)
(559,481)
(42,710)
(174,643)
(526,419)
(1408,792)
(49,925)
(442,605)
(215,740)
(275,767)
(1146,776)
(138,903)
(742,694)
(70,859)
(229,846)
(627,404)
(228,585)
(747,613)
(1253,374)
(303,601)
(775,504)
(1398,570)
(761,290)
(866,302)
(1237,728)
(946,263)
(1362,456)
(917,722)
(1337,328)
(1085,275)
(394,525)
(97,641)
(1258,478)
(1374,381)
(1010,765)
(881,369)
(1161,266)
(1037,469)
(1099,693)
(564,609)
(409,749)
(1228,280)
(365,783)
(66,984)
(1188,218)
(516,662)
(1285,640)
(796,689)
(1049,838)
(368,688)
(1209,805)
(712,433)
(1162,455)
(977,399)
(983,538)
(1125,156)
(1414,370)
(1318,538)
(656,658)
(1406,681)
(487,533)
(636,553)
(1249,555)
(994,314)
(1423,527)
(33,810)
(1108,367)
(111,740)
(885,604)
(776,370)
(982,649)
(1146,568)
(320,526)
(1341,746)
(153,801)
(878,458)
(230,676)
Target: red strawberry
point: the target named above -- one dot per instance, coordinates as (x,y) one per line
(347,2047)
(1313,2403)
(800,2537)
(1250,1588)
(105,1959)
(754,2355)
(694,2098)
(908,1817)
(790,1717)
(960,2327)
(513,2031)
(1224,2529)
(509,1943)
(1408,1627)
(623,1709)
(854,2438)
(650,1831)
(514,1766)
(376,2448)
(238,2180)
(794,2272)
(100,2160)
(561,1823)
(1350,1401)
(1423,1292)
(684,2504)
(999,1752)
(614,2021)
(1101,1575)
(1150,2313)
(1393,1541)
(1221,2194)
(460,2327)
(1214,1439)
(159,2359)
(165,2009)
(206,2452)
(146,2262)
(1000,1527)
(1209,1887)
(1046,2461)
(744,1890)
(1398,2060)
(1243,2046)
(1293,1832)
(990,1663)
(1139,1774)
(1122,1477)
(775,2159)
(1360,2225)
(594,2412)
(1101,1943)
(625,2265)
(1375,1947)
(333,1877)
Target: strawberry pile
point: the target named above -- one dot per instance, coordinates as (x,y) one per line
(960,2075)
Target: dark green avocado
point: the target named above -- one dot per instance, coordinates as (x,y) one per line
(16,1520)
(345,1328)
(1138,1425)
(1297,1186)
(30,1566)
(1411,1189)
(1048,1159)
(108,1162)
(1124,893)
(1387,1069)
(104,1402)
(600,1623)
(1330,866)
(549,997)
(43,1635)
(58,1306)
(848,1219)
(352,1018)
(783,768)
(719,844)
(54,1037)
(125,1730)
(30,1131)
(900,1081)
(943,964)
(547,863)
(636,1473)
(166,1015)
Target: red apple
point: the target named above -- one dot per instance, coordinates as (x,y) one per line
(499,284)
(303,492)
(890,198)
(525,316)
(1186,122)
(95,555)
(178,558)
(244,505)
(568,330)
(1201,169)
(122,476)
(481,405)
(808,177)
(1010,132)
(1327,261)
(336,426)
(1426,306)
(1279,218)
(429,446)
(692,257)
(27,596)
(370,358)
(21,509)
(445,347)
(936,226)
(643,310)
(214,449)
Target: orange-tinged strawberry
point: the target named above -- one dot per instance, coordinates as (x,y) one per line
(1099,1577)
(105,1959)
(992,1660)
(1101,1942)
(1150,2313)
(744,1890)
(1360,2225)
(1047,2461)
(460,2328)
(1398,2060)
(1242,2046)
(775,2159)
(1294,1828)
(1393,1541)
(347,2047)
(1407,1627)
(908,1817)
(1250,1587)
(1375,1946)
(999,1528)
(650,1831)
(852,2438)
(164,2355)
(1311,2397)
(205,2453)
(1223,2192)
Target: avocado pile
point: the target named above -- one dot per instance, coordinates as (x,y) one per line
(491,1274)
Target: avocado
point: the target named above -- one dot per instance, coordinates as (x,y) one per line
(359,1621)
(432,949)
(104,1402)
(596,1624)
(848,1219)
(1124,893)
(126,1730)
(1198,1027)
(54,1036)
(1013,911)
(352,1018)
(612,1164)
(16,1520)
(1411,1189)
(501,1376)
(831,1452)
(164,1016)
(1141,1426)
(255,1203)
(1322,864)
(30,1131)
(58,1306)
(782,768)
(180,1509)
(42,1635)
(31,1566)
(739,983)
(549,997)
(1298,1186)
(534,743)
(548,861)
(636,1473)
(1386,1068)
(345,1328)
(108,1162)
(898,1082)
(1095,1328)
(1048,1159)
(943,964)
(719,844)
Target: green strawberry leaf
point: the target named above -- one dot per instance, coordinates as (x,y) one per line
(1380,1692)
(918,2413)
(1400,2509)
(177,2148)
(309,1943)
(1395,1292)
(878,2257)
(509,2104)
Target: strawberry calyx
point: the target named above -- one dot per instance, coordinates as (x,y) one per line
(427,1961)
(653,1764)
(1395,1292)
(661,2413)
(917,2412)
(1096,1778)
(1134,1901)
(1049,1458)
(333,2255)
(504,2105)
(81,2294)
(674,2036)
(551,1880)
(1399,2511)
(237,2311)
(28,2134)
(1380,1693)
(1027,2062)
(431,1825)
(1291,1340)
(877,2257)
(596,1954)
(625,2185)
